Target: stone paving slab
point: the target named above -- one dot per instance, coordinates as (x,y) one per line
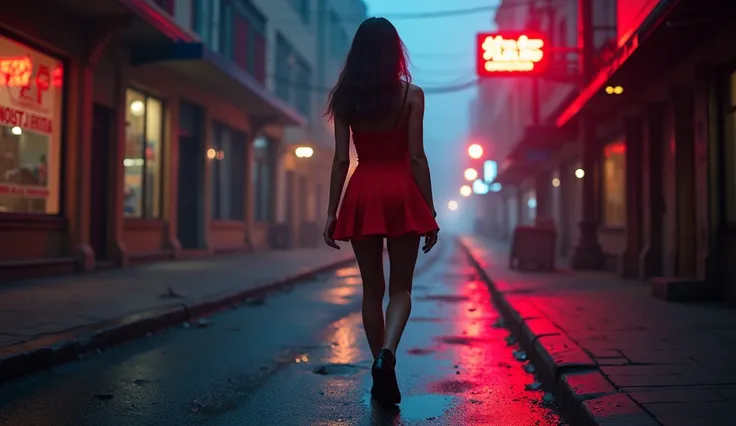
(44,322)
(619,356)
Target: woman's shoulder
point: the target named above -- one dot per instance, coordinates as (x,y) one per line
(415,92)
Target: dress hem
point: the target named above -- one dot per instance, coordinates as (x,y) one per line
(347,238)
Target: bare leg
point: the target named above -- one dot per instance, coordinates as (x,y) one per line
(369,254)
(402,252)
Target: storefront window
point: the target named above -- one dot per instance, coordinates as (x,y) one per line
(614,185)
(730,162)
(227,179)
(261,180)
(30,130)
(143,149)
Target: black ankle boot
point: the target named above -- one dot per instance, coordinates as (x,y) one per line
(385,386)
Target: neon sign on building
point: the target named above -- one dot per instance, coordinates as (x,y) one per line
(15,71)
(509,54)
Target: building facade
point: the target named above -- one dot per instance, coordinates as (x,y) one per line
(308,56)
(138,130)
(660,191)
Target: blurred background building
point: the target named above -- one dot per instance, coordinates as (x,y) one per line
(628,154)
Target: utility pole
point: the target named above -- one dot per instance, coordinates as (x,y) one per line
(588,253)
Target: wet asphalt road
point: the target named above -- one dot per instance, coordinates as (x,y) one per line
(300,358)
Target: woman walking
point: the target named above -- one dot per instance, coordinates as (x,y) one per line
(389,195)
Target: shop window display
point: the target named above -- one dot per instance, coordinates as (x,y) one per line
(30,130)
(143,151)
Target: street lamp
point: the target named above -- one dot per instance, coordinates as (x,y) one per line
(304,152)
(475,151)
(465,191)
(452,205)
(471,174)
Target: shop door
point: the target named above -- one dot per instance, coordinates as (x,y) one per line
(190,204)
(102,137)
(290,183)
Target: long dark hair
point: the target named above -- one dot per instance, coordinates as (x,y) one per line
(374,69)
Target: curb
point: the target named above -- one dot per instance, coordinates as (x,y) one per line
(584,395)
(48,351)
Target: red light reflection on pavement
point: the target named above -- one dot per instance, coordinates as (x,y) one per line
(490,382)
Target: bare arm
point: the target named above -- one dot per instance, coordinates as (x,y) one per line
(340,164)
(419,164)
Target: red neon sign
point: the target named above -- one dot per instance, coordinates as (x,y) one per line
(509,54)
(15,71)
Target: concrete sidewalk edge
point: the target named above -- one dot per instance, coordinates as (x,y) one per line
(583,393)
(48,351)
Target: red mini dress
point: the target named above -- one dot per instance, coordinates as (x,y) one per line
(382,198)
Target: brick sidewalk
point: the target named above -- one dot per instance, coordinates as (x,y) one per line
(614,354)
(49,313)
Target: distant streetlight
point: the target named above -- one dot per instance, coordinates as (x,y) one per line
(614,90)
(465,191)
(471,174)
(304,152)
(452,205)
(475,151)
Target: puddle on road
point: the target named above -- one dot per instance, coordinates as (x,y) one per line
(337,370)
(417,407)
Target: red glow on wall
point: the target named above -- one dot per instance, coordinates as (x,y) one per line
(631,13)
(509,54)
(617,148)
(57,77)
(15,71)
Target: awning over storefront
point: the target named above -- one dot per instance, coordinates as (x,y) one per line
(145,22)
(515,172)
(673,30)
(536,147)
(538,143)
(222,76)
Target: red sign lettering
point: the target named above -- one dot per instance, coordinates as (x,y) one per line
(16,71)
(24,191)
(13,117)
(509,54)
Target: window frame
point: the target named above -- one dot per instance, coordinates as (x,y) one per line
(303,82)
(256,30)
(238,204)
(144,178)
(62,206)
(605,221)
(339,35)
(727,149)
(283,52)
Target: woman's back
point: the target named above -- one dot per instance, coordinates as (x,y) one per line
(384,140)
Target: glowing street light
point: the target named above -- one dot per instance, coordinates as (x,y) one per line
(452,205)
(304,152)
(465,191)
(614,90)
(475,151)
(471,174)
